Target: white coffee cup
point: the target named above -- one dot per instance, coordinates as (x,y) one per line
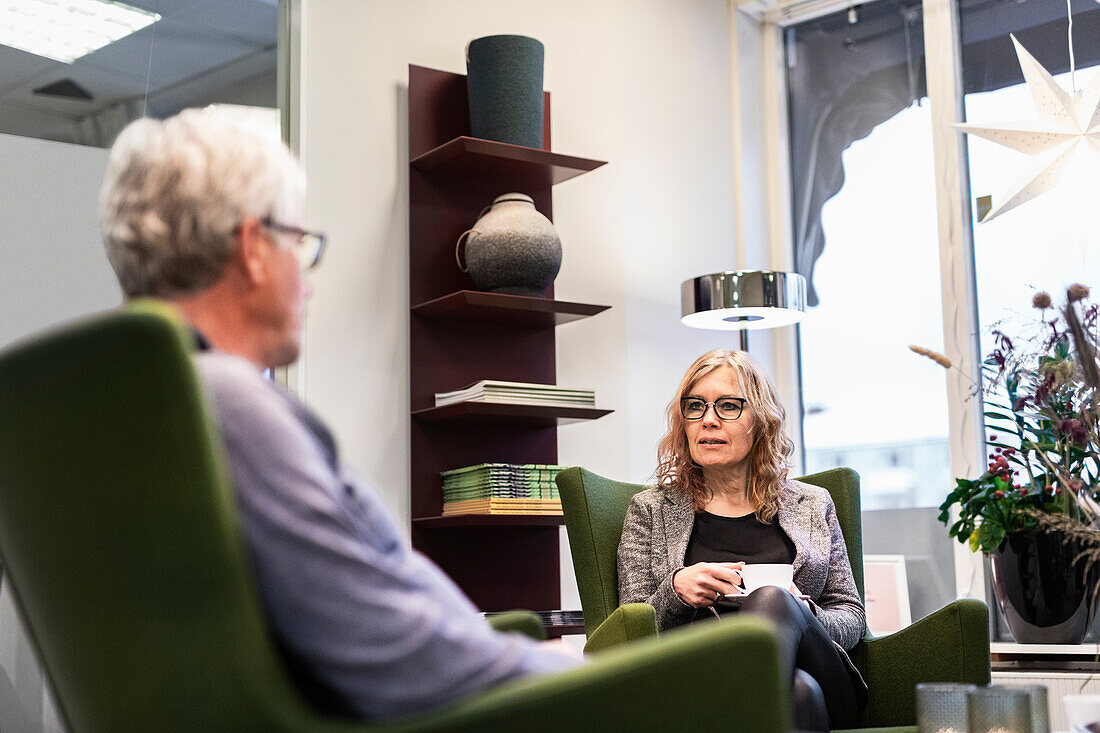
(1081,710)
(758,575)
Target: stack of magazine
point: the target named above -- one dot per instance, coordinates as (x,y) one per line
(501,488)
(518,393)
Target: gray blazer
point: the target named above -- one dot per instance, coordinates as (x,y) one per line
(655,539)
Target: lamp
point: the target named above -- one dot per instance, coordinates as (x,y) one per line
(743,300)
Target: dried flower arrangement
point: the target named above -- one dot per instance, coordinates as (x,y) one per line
(1042,395)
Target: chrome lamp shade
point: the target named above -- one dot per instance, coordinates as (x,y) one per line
(743,300)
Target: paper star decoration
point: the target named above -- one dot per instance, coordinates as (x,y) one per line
(1067,129)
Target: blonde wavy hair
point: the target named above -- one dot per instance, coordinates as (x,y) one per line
(769,457)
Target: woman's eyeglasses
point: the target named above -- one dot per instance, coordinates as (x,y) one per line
(726,408)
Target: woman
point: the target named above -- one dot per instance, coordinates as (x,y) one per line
(723,499)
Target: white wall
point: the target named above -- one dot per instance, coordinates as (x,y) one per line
(53,267)
(645,86)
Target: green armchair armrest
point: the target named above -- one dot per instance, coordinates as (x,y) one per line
(950,645)
(522,622)
(654,685)
(628,622)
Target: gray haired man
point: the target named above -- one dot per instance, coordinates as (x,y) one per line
(206,216)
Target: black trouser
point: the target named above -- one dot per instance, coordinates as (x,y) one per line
(804,644)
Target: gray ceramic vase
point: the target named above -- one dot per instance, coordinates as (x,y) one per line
(512,248)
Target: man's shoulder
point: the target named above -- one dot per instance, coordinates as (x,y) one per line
(223,369)
(227,375)
(237,389)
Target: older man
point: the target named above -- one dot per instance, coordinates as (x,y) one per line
(203,215)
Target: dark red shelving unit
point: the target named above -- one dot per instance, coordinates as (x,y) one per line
(459,336)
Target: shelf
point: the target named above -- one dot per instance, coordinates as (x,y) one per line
(490,520)
(520,310)
(1016,649)
(531,415)
(1014,658)
(471,157)
(558,623)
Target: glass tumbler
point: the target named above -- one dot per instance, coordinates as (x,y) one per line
(1040,712)
(941,707)
(997,709)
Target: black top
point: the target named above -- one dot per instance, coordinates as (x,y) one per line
(737,539)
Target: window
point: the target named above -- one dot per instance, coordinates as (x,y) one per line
(198,53)
(194,54)
(865,237)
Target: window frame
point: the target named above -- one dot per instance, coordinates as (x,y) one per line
(958,289)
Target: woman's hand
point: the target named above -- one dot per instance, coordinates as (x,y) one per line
(703,583)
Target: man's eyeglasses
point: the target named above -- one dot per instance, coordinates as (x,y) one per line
(726,408)
(309,246)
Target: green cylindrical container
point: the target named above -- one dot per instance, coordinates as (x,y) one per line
(504,86)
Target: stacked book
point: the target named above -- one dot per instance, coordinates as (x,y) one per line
(518,393)
(501,488)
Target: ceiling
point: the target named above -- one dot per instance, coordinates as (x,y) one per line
(200,52)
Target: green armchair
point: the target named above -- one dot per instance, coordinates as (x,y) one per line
(950,645)
(119,535)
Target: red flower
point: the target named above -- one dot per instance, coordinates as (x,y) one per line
(1075,430)
(998,494)
(1023,490)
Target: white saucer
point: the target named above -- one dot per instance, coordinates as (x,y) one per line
(799,596)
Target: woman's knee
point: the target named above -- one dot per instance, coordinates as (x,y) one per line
(772,601)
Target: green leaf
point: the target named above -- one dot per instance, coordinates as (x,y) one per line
(990,536)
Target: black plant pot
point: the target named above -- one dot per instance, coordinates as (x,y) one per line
(1044,596)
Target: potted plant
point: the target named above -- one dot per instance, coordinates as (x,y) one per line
(1034,509)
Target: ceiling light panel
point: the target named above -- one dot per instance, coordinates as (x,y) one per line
(65,30)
